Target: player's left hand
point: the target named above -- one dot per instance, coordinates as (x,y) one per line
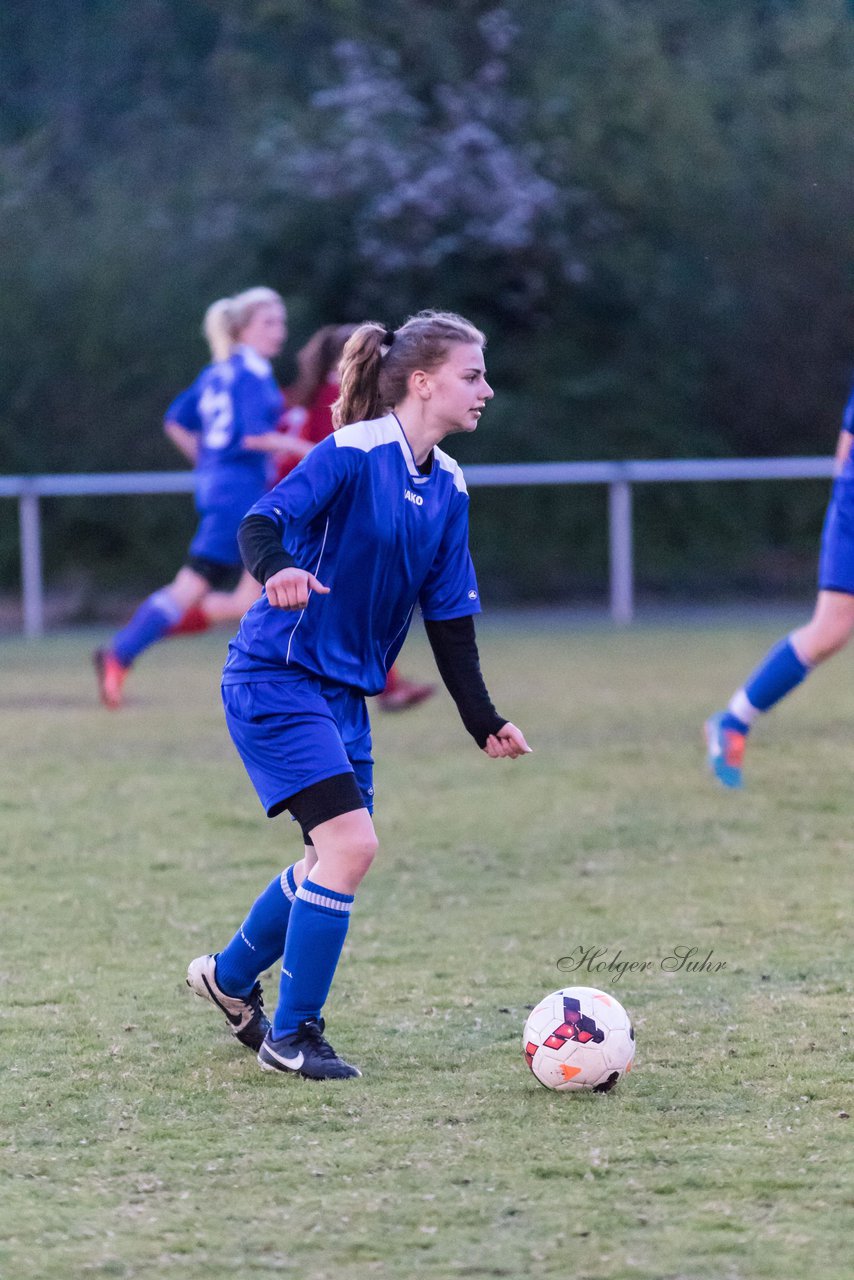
(507,744)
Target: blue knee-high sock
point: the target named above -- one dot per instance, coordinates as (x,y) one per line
(260,940)
(316,933)
(151,621)
(779,672)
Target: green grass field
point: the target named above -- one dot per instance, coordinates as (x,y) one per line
(140,1140)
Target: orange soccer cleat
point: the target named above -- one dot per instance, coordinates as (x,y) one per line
(111,676)
(724,751)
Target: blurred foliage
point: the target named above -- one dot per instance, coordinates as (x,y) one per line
(645,203)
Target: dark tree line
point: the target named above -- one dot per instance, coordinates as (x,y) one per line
(646,204)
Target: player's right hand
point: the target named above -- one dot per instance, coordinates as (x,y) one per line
(290,588)
(508,744)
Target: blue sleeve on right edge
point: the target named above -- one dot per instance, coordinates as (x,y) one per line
(450,589)
(848,414)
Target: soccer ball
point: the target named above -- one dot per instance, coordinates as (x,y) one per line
(579,1038)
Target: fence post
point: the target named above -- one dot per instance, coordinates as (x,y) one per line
(620,547)
(29,521)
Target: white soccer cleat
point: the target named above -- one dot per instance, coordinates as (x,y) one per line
(244,1015)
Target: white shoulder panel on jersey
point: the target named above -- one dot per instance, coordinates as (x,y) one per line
(367,435)
(254,363)
(448,464)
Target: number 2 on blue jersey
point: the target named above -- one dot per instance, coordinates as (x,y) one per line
(217,414)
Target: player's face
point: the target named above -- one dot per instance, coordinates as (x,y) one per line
(266,330)
(458,388)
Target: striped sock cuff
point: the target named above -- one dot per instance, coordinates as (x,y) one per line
(289,885)
(742,709)
(327,899)
(165,603)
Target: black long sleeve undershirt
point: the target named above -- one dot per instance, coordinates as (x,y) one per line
(452,640)
(455,649)
(261,548)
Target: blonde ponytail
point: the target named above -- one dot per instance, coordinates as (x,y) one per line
(217,328)
(361,360)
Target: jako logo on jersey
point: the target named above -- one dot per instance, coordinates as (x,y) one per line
(413,497)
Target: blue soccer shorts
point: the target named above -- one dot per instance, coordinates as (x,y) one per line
(221,507)
(296,730)
(836,559)
(216,536)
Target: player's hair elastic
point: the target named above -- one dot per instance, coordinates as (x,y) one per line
(388,337)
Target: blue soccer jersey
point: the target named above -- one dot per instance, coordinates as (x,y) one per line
(359,515)
(848,425)
(848,414)
(836,557)
(229,400)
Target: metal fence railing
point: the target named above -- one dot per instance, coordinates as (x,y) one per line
(619,477)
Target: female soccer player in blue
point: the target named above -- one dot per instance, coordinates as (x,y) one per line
(372,523)
(225,425)
(827,632)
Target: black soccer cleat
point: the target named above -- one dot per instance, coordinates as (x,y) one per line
(245,1015)
(305,1053)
